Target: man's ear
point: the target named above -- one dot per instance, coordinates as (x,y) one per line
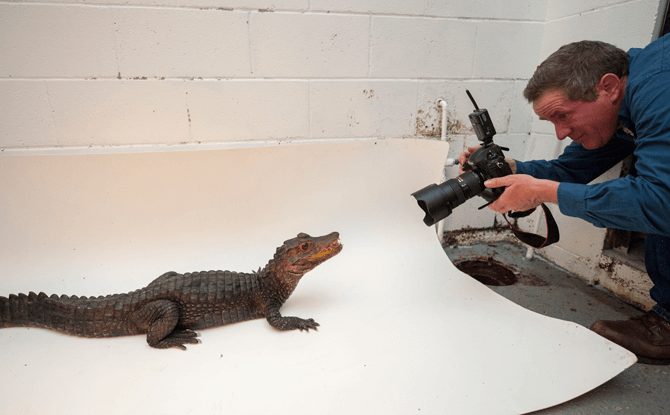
(610,84)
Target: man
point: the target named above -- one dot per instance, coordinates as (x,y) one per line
(611,104)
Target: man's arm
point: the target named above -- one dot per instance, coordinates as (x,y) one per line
(577,164)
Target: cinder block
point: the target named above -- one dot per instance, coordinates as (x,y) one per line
(626,25)
(456,147)
(544,147)
(309,45)
(529,10)
(507,49)
(212,4)
(404,47)
(248,110)
(159,42)
(564,8)
(573,232)
(116,112)
(451,8)
(429,113)
(362,108)
(495,96)
(516,143)
(369,6)
(522,115)
(40,40)
(25,116)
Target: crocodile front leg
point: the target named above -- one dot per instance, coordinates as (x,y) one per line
(159,318)
(280,322)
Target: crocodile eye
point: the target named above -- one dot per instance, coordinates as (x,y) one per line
(304,246)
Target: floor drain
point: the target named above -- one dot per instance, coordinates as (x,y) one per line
(489,272)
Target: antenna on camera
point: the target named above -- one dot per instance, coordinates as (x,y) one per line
(481,123)
(472,99)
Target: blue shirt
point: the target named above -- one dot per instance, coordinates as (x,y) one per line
(639,203)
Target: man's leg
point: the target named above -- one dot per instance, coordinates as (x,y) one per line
(657,261)
(648,336)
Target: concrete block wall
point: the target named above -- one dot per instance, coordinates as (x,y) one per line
(99,74)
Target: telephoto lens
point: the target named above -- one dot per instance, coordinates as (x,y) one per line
(437,201)
(487,162)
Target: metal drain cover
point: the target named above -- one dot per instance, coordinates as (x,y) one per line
(489,272)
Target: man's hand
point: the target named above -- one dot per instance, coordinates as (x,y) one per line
(463,158)
(522,192)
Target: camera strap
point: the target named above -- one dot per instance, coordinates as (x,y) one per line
(536,241)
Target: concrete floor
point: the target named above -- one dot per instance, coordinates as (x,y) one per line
(547,289)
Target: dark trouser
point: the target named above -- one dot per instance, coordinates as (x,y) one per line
(657,261)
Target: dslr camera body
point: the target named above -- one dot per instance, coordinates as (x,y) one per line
(487,162)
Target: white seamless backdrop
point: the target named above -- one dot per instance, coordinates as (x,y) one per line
(402,330)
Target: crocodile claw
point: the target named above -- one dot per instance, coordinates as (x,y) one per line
(308,324)
(178,338)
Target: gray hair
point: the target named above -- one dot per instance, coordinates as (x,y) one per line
(576,69)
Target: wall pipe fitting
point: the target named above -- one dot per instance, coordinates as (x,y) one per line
(449,162)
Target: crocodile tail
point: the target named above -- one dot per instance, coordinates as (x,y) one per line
(104,316)
(4,313)
(23,310)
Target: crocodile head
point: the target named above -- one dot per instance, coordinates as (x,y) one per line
(304,253)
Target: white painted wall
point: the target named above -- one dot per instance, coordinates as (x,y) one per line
(118,75)
(168,72)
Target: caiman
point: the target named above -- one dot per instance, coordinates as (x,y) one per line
(172,306)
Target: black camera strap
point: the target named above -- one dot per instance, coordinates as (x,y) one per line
(536,241)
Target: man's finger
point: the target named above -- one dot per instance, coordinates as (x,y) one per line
(497,182)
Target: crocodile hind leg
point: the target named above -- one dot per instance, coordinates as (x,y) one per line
(160,318)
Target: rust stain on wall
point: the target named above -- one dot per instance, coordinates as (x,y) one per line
(429,123)
(607,264)
(469,236)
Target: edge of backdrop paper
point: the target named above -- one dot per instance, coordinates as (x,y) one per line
(402,330)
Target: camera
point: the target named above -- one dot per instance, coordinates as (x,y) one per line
(487,162)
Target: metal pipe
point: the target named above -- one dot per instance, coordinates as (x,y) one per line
(443,136)
(443,105)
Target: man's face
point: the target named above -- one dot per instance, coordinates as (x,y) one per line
(591,123)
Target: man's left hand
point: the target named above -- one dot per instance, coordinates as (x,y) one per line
(522,192)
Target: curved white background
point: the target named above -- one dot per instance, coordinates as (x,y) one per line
(402,330)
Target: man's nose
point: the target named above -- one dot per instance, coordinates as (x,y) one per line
(561,131)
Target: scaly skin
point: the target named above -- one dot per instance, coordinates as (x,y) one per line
(173,305)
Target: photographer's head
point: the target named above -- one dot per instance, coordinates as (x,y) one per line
(579,88)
